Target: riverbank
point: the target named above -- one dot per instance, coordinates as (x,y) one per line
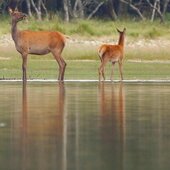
(145,59)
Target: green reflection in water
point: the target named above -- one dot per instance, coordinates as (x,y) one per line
(84,126)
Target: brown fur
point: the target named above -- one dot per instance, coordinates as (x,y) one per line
(112,53)
(37,42)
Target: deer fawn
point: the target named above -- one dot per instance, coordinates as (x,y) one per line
(112,53)
(37,42)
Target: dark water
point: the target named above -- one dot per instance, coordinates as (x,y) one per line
(85,126)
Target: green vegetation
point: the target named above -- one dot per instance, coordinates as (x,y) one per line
(94,28)
(48,69)
(99,28)
(4,25)
(144,42)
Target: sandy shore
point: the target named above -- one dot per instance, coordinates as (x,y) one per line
(6,40)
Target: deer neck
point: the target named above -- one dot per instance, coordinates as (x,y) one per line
(14,31)
(121,40)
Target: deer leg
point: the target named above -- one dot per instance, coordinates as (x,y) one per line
(61,64)
(101,70)
(60,69)
(103,73)
(111,77)
(63,68)
(24,68)
(120,70)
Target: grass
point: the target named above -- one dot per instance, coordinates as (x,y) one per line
(4,25)
(48,69)
(83,62)
(148,53)
(93,28)
(75,53)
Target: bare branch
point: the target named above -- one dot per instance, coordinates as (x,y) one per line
(157,8)
(29,7)
(165,6)
(45,9)
(134,8)
(95,10)
(66,11)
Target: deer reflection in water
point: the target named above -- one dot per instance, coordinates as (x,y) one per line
(112,109)
(24,125)
(41,128)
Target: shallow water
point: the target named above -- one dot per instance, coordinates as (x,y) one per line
(84,126)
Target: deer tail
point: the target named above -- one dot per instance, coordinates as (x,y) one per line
(101,52)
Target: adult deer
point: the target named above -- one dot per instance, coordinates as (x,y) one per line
(112,53)
(37,42)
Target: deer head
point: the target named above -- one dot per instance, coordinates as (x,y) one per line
(16,15)
(121,32)
(121,36)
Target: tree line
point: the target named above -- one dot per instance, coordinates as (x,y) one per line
(87,9)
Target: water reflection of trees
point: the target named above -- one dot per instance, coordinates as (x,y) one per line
(112,109)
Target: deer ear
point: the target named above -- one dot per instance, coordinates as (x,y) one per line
(10,11)
(118,30)
(124,29)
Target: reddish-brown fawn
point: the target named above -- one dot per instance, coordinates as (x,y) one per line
(112,53)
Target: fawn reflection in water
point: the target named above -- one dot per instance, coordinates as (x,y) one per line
(40,136)
(112,109)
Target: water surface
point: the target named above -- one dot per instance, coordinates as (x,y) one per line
(84,126)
